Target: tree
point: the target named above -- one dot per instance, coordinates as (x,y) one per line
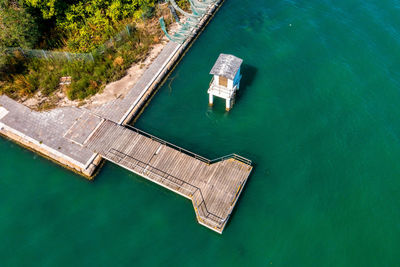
(90,23)
(3,58)
(48,8)
(17,27)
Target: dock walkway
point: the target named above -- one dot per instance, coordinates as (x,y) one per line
(213,186)
(119,110)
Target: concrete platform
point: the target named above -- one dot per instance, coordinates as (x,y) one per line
(44,132)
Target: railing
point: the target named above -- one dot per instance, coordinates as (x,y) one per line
(220,88)
(194,192)
(233,156)
(187,152)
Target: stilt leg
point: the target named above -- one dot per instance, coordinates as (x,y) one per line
(211,100)
(228,104)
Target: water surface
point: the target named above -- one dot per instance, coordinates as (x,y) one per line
(318,113)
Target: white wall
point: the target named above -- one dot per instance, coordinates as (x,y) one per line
(230,84)
(216,79)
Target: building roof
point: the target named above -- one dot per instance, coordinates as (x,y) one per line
(226,66)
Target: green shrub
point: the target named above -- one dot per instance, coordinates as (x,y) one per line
(78,89)
(184,4)
(82,88)
(33,78)
(50,82)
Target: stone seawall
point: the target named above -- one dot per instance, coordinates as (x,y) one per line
(47,152)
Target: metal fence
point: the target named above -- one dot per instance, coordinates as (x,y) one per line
(121,36)
(187,152)
(198,10)
(48,55)
(60,55)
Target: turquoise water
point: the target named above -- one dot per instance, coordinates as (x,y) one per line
(318,113)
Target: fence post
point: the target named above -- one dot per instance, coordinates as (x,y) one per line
(67,56)
(22,51)
(45,56)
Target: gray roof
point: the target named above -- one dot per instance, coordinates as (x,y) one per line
(226,66)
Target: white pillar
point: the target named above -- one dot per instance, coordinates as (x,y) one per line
(230,84)
(228,104)
(210,100)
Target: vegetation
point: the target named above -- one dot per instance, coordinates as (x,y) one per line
(184,4)
(73,26)
(18,28)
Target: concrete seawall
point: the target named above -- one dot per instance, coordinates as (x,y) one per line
(43,132)
(169,66)
(52,155)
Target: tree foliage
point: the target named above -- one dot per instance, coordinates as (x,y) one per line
(3,58)
(17,27)
(47,7)
(90,23)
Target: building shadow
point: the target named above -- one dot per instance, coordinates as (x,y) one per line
(249,73)
(241,196)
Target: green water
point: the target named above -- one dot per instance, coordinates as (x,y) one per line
(318,113)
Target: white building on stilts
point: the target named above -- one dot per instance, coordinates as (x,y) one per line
(226,80)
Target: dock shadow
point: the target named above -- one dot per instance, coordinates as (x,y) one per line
(241,196)
(249,73)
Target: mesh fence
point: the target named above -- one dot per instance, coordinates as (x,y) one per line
(60,55)
(120,37)
(199,10)
(49,55)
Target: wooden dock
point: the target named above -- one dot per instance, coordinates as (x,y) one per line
(213,186)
